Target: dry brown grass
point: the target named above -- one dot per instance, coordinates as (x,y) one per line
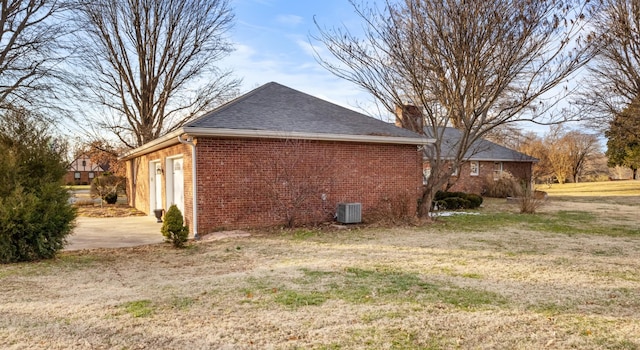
(508,287)
(617,192)
(108,210)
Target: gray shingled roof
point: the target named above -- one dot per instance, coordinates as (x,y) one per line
(481,150)
(274,107)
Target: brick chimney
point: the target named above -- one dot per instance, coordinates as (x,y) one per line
(410,117)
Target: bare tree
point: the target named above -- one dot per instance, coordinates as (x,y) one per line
(535,146)
(568,152)
(596,169)
(507,135)
(103,153)
(31,48)
(613,79)
(581,148)
(151,63)
(557,148)
(473,65)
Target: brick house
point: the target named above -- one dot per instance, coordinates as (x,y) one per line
(81,171)
(485,161)
(272,155)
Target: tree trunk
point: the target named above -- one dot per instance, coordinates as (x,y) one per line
(425,203)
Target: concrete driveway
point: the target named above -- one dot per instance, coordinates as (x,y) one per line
(114,232)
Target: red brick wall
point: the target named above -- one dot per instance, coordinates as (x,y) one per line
(235,178)
(70,179)
(464,182)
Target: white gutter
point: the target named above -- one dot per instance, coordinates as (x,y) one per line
(246,133)
(157,144)
(194,182)
(492,160)
(170,139)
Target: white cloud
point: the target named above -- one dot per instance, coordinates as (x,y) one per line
(309,48)
(289,20)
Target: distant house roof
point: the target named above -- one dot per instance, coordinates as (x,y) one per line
(84,163)
(276,111)
(481,150)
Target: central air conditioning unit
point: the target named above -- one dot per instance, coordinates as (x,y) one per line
(349,213)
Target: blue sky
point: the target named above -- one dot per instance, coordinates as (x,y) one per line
(272,42)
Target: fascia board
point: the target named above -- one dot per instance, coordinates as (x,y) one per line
(244,133)
(172,138)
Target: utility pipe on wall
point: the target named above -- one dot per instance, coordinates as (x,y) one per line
(194,193)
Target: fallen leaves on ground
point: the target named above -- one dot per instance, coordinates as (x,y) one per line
(108,211)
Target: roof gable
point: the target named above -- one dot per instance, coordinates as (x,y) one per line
(277,108)
(84,163)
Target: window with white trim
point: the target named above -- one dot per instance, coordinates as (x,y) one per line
(76,175)
(475,168)
(497,170)
(455,172)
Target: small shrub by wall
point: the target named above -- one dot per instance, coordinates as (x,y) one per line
(456,200)
(173,228)
(505,186)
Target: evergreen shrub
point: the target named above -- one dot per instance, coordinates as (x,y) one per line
(456,200)
(173,228)
(35,213)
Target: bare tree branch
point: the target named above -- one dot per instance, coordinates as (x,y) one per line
(151,63)
(31,50)
(473,65)
(613,79)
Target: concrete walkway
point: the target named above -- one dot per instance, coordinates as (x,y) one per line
(114,232)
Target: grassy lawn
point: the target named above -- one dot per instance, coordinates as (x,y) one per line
(78,187)
(622,192)
(566,278)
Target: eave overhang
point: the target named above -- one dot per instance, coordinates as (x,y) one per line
(171,138)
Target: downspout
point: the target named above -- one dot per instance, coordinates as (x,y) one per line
(190,141)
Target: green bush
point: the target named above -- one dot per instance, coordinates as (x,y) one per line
(476,200)
(456,200)
(35,213)
(454,203)
(173,228)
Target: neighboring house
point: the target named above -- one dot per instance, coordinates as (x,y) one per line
(82,171)
(485,161)
(272,155)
